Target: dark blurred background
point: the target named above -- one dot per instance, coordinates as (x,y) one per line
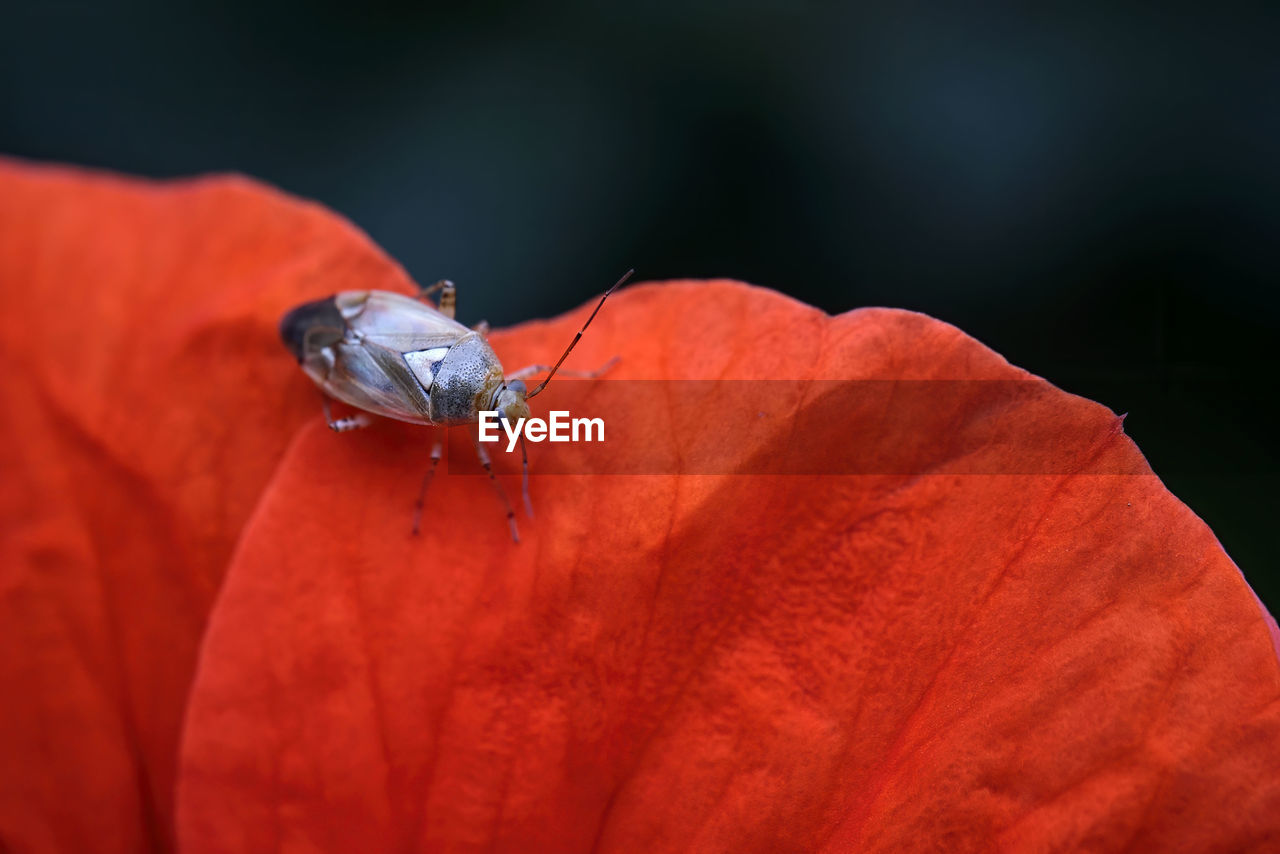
(1094,194)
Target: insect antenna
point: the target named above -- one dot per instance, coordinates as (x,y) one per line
(573,343)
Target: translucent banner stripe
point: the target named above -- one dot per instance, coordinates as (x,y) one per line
(803,427)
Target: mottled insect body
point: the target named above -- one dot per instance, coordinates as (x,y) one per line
(399,357)
(395,356)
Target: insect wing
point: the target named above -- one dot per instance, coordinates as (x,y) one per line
(370,377)
(393,347)
(400,323)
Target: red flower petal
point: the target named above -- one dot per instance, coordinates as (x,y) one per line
(976,645)
(737,663)
(145,404)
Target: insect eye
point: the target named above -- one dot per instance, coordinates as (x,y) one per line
(518,387)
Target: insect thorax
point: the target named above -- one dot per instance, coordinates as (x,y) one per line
(464,382)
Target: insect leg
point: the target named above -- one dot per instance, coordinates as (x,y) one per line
(488,467)
(437,450)
(448,305)
(344,425)
(483,328)
(427,291)
(449,301)
(525,373)
(524,476)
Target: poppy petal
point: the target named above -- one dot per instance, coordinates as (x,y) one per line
(145,405)
(975,644)
(1030,651)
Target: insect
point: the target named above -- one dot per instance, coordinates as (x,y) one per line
(400,357)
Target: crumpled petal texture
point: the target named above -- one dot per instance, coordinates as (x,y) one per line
(1056,660)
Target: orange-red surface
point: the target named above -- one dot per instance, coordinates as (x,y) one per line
(216,632)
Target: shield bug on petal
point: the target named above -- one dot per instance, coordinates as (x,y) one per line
(400,357)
